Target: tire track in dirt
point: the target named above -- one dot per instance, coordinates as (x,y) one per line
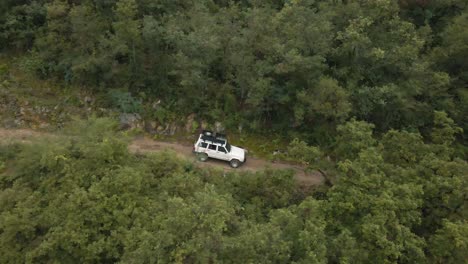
(144,145)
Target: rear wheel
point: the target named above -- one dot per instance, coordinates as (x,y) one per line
(234,163)
(202,157)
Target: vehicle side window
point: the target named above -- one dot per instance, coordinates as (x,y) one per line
(212,147)
(222,149)
(203,145)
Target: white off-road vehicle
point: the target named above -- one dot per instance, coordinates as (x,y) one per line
(215,145)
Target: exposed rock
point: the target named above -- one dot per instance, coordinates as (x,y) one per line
(190,121)
(173,129)
(219,127)
(150,126)
(156,104)
(169,130)
(88,100)
(22,111)
(204,125)
(9,123)
(43,125)
(102,110)
(18,122)
(129,120)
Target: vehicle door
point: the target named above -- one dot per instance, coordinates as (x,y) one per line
(222,153)
(211,151)
(202,146)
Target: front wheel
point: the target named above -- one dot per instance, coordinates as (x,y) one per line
(234,163)
(202,157)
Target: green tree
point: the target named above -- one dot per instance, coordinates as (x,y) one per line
(375,212)
(19,21)
(353,137)
(444,130)
(127,40)
(88,61)
(450,244)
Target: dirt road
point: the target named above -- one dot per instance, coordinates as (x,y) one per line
(145,145)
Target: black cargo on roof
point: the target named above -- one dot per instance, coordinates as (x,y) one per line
(219,135)
(208,135)
(220,141)
(209,138)
(214,140)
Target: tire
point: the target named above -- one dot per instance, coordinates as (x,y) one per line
(235,163)
(202,157)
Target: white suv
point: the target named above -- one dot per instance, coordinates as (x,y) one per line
(211,145)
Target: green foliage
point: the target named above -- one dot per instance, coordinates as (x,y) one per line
(163,115)
(328,99)
(403,148)
(3,70)
(85,198)
(450,243)
(445,129)
(33,64)
(306,65)
(9,151)
(260,192)
(298,151)
(357,204)
(285,67)
(19,22)
(125,102)
(353,137)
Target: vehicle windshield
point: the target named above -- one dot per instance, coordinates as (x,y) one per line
(228,147)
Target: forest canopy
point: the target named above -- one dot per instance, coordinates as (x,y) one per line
(372,93)
(302,65)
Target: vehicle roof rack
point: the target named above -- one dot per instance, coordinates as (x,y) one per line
(219,138)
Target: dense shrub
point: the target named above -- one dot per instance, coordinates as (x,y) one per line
(84,198)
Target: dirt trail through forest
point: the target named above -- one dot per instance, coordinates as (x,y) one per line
(145,145)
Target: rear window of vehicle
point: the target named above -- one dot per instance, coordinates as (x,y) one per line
(203,145)
(213,147)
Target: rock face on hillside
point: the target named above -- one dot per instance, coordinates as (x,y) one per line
(9,111)
(130,121)
(42,107)
(219,127)
(16,113)
(191,124)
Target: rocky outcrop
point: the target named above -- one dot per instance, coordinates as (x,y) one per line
(130,121)
(219,127)
(191,124)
